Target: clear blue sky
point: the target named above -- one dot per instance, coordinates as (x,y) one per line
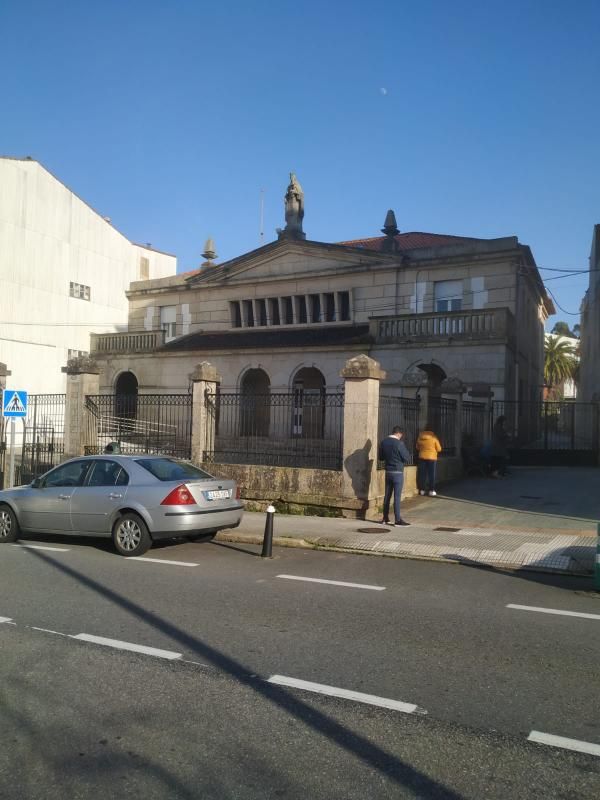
(169,117)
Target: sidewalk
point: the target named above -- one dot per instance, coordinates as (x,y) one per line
(525,522)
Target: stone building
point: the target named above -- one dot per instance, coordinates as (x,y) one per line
(428,307)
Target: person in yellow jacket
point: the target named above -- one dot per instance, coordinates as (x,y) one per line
(428,447)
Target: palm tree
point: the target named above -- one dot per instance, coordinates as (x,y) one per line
(560,362)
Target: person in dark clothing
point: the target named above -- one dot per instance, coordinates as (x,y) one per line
(393,452)
(499,450)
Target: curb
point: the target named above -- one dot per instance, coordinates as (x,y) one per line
(321,543)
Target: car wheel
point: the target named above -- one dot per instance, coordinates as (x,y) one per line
(206,536)
(9,527)
(130,535)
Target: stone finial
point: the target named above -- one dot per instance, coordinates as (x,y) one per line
(82,365)
(209,253)
(205,372)
(294,211)
(363,367)
(390,229)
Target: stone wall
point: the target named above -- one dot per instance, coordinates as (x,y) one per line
(317,491)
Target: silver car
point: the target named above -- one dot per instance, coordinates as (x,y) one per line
(133,499)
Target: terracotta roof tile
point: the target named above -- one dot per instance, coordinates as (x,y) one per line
(411,241)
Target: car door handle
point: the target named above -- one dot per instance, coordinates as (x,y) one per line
(115,496)
(64,496)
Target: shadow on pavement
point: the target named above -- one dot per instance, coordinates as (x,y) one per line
(354,743)
(575,583)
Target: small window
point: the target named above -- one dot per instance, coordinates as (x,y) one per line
(168,469)
(302,309)
(288,311)
(315,308)
(330,307)
(79,290)
(274,304)
(236,314)
(344,303)
(262,312)
(76,353)
(448,295)
(248,313)
(168,321)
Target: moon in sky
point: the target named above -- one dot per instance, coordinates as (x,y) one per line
(383,90)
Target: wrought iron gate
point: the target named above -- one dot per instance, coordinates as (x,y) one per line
(557,433)
(40,437)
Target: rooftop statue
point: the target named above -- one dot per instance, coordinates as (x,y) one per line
(294,211)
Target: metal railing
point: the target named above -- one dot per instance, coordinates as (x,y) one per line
(128,341)
(474,423)
(402,411)
(442,419)
(42,437)
(144,423)
(303,428)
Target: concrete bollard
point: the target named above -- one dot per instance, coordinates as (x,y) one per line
(267,548)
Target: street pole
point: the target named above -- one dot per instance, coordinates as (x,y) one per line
(267,548)
(11,468)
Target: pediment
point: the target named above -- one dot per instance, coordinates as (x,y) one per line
(286,259)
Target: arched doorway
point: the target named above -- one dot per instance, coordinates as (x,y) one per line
(309,404)
(126,395)
(435,376)
(255,403)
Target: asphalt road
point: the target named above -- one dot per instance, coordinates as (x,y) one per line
(80,719)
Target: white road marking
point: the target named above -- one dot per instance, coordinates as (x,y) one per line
(163,561)
(554,611)
(41,547)
(333,583)
(348,694)
(566,744)
(46,630)
(5,619)
(135,648)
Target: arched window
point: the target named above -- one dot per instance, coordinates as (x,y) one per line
(309,404)
(126,395)
(255,403)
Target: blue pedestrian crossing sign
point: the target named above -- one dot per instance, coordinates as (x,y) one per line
(14,403)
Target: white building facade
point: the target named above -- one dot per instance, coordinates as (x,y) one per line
(64,272)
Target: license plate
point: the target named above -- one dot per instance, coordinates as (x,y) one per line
(222,494)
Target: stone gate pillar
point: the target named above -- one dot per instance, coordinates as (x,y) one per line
(360,486)
(204,380)
(83,378)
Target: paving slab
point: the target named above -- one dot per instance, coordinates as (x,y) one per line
(534,520)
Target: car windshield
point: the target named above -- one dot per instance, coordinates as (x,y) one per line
(167,469)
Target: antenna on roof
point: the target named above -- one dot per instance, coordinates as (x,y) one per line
(262,217)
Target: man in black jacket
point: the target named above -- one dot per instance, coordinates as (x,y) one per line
(393,451)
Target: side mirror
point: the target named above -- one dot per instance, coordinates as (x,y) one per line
(36,483)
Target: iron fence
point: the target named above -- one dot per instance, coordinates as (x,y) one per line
(562,431)
(402,411)
(42,436)
(303,428)
(442,420)
(474,423)
(143,423)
